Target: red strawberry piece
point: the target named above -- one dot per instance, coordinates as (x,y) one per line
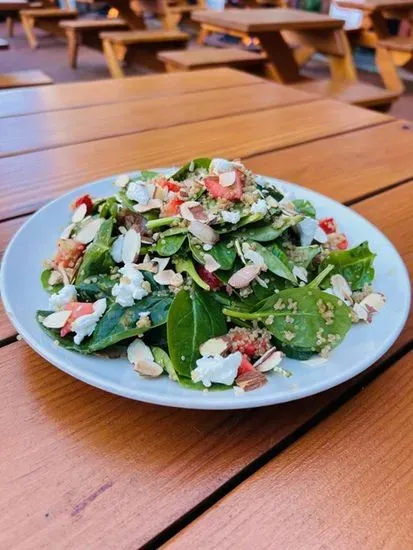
(328,225)
(172,207)
(68,252)
(245,366)
(77,309)
(170,185)
(231,193)
(209,278)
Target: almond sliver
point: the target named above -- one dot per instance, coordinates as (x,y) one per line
(57,319)
(227,179)
(88,233)
(79,213)
(131,246)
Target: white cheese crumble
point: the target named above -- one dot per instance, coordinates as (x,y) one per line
(129,287)
(230,217)
(221,370)
(138,191)
(85,324)
(65,296)
(259,207)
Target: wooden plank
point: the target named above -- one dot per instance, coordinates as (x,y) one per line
(345,484)
(145,37)
(83,94)
(179,456)
(26,182)
(46,130)
(267,20)
(20,79)
(345,166)
(202,57)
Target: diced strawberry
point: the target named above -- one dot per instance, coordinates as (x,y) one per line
(84,199)
(250,349)
(77,309)
(328,225)
(342,243)
(245,366)
(68,252)
(209,278)
(170,185)
(231,193)
(172,207)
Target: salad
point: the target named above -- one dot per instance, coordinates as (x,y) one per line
(210,275)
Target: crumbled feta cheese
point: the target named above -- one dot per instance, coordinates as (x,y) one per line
(130,286)
(221,370)
(138,191)
(259,207)
(85,324)
(116,251)
(65,296)
(219,166)
(230,217)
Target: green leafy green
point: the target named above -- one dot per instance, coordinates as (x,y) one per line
(119,323)
(97,259)
(100,287)
(275,259)
(303,255)
(193,318)
(187,266)
(221,252)
(355,265)
(146,175)
(163,359)
(304,207)
(108,208)
(270,232)
(67,341)
(44,279)
(195,164)
(167,246)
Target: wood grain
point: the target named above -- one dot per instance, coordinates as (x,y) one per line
(267,20)
(346,484)
(83,94)
(27,182)
(345,166)
(45,130)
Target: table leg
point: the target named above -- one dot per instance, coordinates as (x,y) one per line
(112,60)
(9,26)
(73,47)
(282,65)
(28,24)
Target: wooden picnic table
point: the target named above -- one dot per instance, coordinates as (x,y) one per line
(82,468)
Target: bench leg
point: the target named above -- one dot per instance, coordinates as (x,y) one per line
(73,47)
(112,60)
(28,24)
(9,26)
(388,71)
(202,35)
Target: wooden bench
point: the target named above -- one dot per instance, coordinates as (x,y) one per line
(356,93)
(207,58)
(140,47)
(21,79)
(86,32)
(47,19)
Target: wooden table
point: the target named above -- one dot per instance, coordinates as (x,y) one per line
(81,468)
(277,28)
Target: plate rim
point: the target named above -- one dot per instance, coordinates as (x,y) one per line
(233,402)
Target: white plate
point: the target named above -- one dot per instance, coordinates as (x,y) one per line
(364,344)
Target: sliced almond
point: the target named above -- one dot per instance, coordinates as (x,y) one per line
(373,302)
(251,380)
(79,213)
(361,312)
(131,246)
(122,180)
(211,264)
(55,278)
(213,346)
(67,231)
(57,319)
(148,368)
(99,307)
(152,204)
(185,209)
(162,263)
(203,232)
(226,179)
(271,359)
(139,351)
(169,278)
(341,288)
(89,231)
(147,266)
(253,256)
(300,272)
(244,276)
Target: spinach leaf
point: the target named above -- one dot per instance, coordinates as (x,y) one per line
(108,208)
(189,385)
(355,265)
(184,172)
(303,255)
(167,246)
(44,279)
(187,266)
(163,359)
(174,231)
(193,318)
(275,259)
(124,200)
(146,175)
(245,220)
(269,232)
(89,291)
(223,254)
(307,319)
(119,323)
(97,259)
(304,207)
